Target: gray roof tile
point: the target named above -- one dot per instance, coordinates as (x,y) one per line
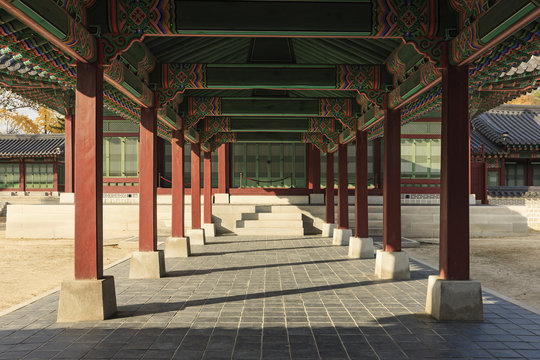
(521,123)
(43,145)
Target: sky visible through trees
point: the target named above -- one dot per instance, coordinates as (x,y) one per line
(22,116)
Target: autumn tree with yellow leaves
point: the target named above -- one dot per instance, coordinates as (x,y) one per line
(14,122)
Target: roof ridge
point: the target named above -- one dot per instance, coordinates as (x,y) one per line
(31,136)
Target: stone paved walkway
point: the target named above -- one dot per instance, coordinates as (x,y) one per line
(252,298)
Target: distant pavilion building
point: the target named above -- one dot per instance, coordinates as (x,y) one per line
(32,162)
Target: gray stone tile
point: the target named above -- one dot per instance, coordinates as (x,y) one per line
(270,298)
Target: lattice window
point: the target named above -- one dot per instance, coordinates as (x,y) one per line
(9,175)
(120,126)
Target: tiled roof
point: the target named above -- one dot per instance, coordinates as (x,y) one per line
(477,140)
(43,145)
(526,66)
(514,191)
(520,122)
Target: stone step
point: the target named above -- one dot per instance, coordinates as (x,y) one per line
(282,209)
(272,216)
(293,224)
(263,231)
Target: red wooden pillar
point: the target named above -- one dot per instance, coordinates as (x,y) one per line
(330,218)
(229,165)
(377,163)
(315,166)
(148,180)
(207,187)
(22,175)
(160,162)
(454,228)
(69,124)
(502,174)
(343,188)
(529,179)
(177,151)
(309,184)
(88,164)
(223,169)
(196,186)
(55,175)
(361,194)
(392,180)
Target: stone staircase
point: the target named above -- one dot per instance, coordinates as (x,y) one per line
(271,220)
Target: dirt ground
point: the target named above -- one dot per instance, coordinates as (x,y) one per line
(25,274)
(509,266)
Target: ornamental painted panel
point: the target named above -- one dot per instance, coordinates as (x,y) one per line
(469,10)
(217,124)
(204,106)
(178,77)
(335,107)
(315,139)
(184,76)
(141,16)
(321,125)
(405,18)
(357,77)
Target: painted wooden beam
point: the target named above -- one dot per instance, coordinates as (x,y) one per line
(501,20)
(380,18)
(250,124)
(269,137)
(176,78)
(415,84)
(56,25)
(199,107)
(119,76)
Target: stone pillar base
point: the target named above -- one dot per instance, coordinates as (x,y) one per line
(361,248)
(209,230)
(177,247)
(328,229)
(341,236)
(87,300)
(147,265)
(316,199)
(454,299)
(196,237)
(221,198)
(392,265)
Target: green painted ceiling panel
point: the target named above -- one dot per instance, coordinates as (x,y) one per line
(300,107)
(273,124)
(268,77)
(268,137)
(276,16)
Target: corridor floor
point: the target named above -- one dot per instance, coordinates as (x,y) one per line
(270,298)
